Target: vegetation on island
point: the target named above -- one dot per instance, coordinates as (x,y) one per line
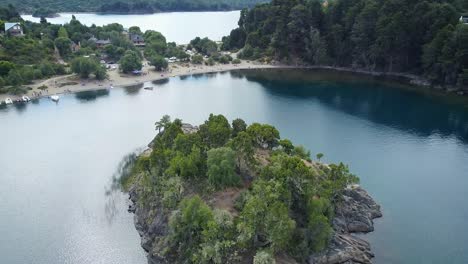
(280,202)
(121,6)
(422,37)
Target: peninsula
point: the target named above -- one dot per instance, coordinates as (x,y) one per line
(238,193)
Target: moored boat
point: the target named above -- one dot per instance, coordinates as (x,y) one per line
(55,98)
(8,101)
(25,98)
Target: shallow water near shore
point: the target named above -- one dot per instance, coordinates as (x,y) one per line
(410,150)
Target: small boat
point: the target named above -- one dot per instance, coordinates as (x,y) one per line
(25,99)
(55,98)
(111,87)
(8,101)
(148,88)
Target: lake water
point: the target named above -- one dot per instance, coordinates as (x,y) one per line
(180,27)
(410,150)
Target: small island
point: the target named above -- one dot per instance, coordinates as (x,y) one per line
(238,193)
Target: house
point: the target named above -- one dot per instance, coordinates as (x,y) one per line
(464,19)
(75,47)
(13,29)
(137,39)
(100,42)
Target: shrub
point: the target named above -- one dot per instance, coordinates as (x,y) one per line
(197,59)
(221,168)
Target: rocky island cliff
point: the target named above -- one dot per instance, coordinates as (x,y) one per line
(271,203)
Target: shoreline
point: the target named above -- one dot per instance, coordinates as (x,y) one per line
(71,83)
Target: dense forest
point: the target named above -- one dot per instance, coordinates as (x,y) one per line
(132,6)
(223,193)
(423,37)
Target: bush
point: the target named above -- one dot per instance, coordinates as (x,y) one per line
(263,257)
(158,62)
(224,59)
(210,62)
(130,62)
(197,59)
(236,61)
(84,66)
(221,168)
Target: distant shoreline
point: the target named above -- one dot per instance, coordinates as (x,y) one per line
(66,84)
(129,13)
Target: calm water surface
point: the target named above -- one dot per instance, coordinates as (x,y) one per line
(57,160)
(180,27)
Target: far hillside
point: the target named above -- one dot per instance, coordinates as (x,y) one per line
(126,6)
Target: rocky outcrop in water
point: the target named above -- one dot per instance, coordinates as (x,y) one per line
(354,214)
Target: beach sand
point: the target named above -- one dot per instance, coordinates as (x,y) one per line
(72,83)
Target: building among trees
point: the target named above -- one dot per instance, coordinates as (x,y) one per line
(464,19)
(13,29)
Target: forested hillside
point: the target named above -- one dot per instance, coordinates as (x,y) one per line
(130,6)
(414,36)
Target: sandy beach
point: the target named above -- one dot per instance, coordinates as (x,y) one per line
(72,83)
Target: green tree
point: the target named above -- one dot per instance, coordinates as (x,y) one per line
(265,217)
(242,144)
(263,257)
(5,67)
(221,168)
(63,45)
(100,72)
(14,78)
(84,66)
(216,131)
(187,226)
(62,33)
(197,59)
(265,136)
(163,122)
(158,62)
(319,156)
(287,146)
(130,62)
(238,125)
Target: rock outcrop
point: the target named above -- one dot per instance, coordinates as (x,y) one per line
(354,214)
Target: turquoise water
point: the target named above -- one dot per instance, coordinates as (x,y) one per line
(410,150)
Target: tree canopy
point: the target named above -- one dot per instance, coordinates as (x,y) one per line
(283,204)
(421,37)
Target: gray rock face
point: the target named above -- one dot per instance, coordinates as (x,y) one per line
(152,226)
(354,214)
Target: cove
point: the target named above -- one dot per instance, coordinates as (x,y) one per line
(408,147)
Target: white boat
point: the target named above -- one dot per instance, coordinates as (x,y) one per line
(8,101)
(55,98)
(25,99)
(111,87)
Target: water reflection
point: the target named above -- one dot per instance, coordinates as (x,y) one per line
(161,82)
(133,89)
(113,192)
(20,107)
(91,95)
(368,99)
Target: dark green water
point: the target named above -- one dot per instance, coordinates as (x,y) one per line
(410,150)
